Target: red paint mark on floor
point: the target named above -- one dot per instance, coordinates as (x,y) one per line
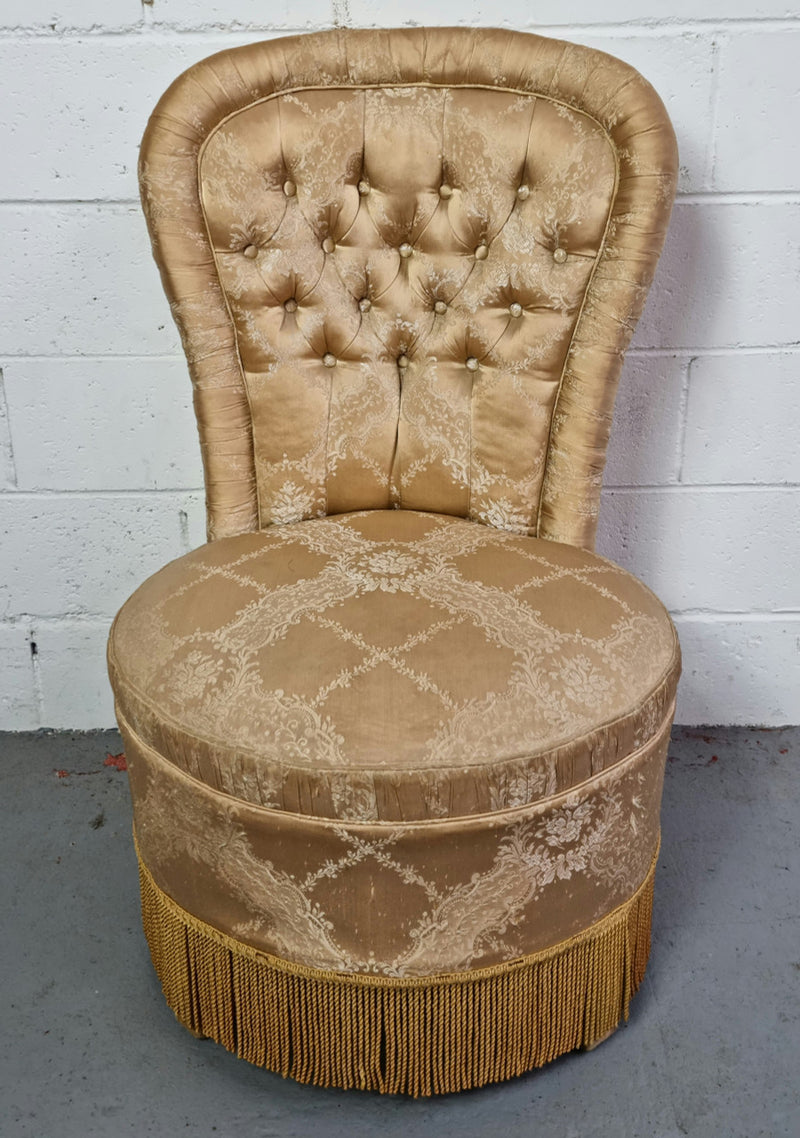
(692,734)
(783,751)
(118,762)
(713,759)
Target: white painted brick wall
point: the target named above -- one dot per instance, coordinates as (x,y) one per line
(99,469)
(132,428)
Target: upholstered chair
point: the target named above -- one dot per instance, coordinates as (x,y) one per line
(396,735)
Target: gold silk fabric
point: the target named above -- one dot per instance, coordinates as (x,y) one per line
(400,899)
(396,721)
(402,339)
(381,741)
(392,666)
(406,265)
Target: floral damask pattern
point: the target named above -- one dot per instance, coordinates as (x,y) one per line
(405,266)
(393,665)
(407,277)
(387,329)
(364,733)
(475,893)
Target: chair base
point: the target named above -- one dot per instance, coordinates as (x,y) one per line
(417,1036)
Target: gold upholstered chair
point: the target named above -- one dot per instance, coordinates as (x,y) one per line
(396,735)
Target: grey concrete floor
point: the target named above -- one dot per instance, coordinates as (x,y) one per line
(712,1046)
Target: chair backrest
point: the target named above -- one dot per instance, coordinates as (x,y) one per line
(405,266)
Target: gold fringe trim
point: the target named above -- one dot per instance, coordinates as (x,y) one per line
(418,1035)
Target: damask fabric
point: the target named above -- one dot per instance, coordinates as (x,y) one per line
(399,899)
(378,742)
(402,340)
(417,756)
(393,666)
(429,313)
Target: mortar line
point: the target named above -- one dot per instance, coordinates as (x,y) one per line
(111,356)
(622,488)
(144,31)
(739,197)
(36,672)
(664,26)
(642,27)
(33,621)
(718,55)
(696,353)
(5,417)
(695,197)
(683,411)
(680,352)
(713,616)
(707,197)
(703,487)
(18,203)
(141,492)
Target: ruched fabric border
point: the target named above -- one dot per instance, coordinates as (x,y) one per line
(419,1036)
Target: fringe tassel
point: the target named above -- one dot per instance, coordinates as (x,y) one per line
(418,1036)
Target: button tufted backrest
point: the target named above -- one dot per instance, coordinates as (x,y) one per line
(405,265)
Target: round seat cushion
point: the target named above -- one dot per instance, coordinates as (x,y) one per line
(392,666)
(397,744)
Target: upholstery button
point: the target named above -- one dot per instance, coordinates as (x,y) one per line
(365,304)
(472,364)
(440,307)
(251,252)
(363,188)
(559,255)
(515,308)
(289,188)
(445,191)
(405,249)
(328,245)
(523,192)
(329,359)
(402,361)
(291,305)
(481,253)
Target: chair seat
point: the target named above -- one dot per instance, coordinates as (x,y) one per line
(392,665)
